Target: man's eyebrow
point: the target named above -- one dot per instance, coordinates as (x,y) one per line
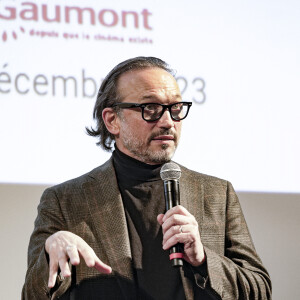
(155,98)
(147,97)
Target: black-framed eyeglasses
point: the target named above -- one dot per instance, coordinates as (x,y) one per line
(152,112)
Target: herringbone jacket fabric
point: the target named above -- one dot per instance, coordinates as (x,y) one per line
(91,207)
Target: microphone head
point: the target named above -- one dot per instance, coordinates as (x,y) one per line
(170,171)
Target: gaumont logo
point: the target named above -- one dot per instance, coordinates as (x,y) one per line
(29,16)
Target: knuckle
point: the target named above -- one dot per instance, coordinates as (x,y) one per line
(191,237)
(175,229)
(165,227)
(52,244)
(85,251)
(180,208)
(194,221)
(174,219)
(90,263)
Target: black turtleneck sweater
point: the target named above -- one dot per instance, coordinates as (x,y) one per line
(143,197)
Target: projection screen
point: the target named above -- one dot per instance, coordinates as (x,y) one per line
(237,61)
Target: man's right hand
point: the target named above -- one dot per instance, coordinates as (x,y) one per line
(63,246)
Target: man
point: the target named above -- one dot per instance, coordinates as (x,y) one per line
(105,235)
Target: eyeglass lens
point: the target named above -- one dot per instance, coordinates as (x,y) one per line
(153,112)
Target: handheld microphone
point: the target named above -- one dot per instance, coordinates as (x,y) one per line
(170,174)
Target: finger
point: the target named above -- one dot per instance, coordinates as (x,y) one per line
(87,254)
(183,238)
(174,220)
(64,267)
(63,263)
(160,219)
(177,229)
(53,268)
(72,253)
(173,230)
(178,209)
(92,260)
(102,267)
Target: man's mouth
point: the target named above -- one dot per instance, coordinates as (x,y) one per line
(164,138)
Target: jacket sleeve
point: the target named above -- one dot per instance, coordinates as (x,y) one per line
(239,273)
(48,221)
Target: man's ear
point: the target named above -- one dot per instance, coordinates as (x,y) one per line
(111,120)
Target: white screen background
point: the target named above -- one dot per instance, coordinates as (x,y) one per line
(246,53)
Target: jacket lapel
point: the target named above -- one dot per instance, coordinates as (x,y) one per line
(191,197)
(107,212)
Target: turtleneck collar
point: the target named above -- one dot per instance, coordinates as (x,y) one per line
(130,169)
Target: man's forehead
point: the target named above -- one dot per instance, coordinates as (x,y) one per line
(145,73)
(147,79)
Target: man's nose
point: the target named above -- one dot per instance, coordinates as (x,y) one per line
(166,120)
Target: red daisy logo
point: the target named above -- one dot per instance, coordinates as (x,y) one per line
(14,34)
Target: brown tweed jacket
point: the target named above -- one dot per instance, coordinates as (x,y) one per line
(91,207)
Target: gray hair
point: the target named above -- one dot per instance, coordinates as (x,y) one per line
(108,94)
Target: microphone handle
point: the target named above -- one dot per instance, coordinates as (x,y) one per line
(172,197)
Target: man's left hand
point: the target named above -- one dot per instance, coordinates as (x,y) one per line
(179,226)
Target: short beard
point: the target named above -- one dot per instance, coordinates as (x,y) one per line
(142,151)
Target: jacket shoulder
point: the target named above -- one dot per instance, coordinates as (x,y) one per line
(203,178)
(77,183)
